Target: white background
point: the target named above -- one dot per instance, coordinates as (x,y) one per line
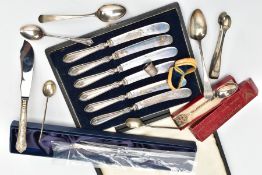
(241,136)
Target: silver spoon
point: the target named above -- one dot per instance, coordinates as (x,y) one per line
(222,92)
(133,123)
(198,30)
(106,13)
(33,32)
(49,90)
(224,20)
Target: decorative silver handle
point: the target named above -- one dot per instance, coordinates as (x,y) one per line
(21,137)
(77,55)
(102,104)
(79,69)
(90,94)
(50,18)
(109,116)
(216,60)
(208,92)
(83,82)
(85,41)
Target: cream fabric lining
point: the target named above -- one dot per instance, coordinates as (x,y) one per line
(208,158)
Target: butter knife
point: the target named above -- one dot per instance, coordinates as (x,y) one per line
(154,87)
(160,54)
(157,41)
(152,29)
(89,94)
(27,62)
(167,96)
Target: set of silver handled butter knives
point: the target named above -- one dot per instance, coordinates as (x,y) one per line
(160,40)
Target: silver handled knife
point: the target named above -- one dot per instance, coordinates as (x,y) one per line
(27,62)
(154,87)
(160,54)
(154,42)
(152,29)
(167,96)
(89,94)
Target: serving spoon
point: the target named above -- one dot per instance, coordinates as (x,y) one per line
(106,13)
(224,20)
(33,32)
(49,90)
(133,123)
(198,30)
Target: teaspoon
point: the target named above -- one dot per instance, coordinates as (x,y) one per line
(198,30)
(33,32)
(224,20)
(106,13)
(133,123)
(49,90)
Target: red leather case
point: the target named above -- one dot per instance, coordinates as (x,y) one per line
(209,121)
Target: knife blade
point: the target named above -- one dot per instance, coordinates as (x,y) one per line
(154,87)
(27,63)
(160,98)
(160,54)
(152,29)
(89,94)
(153,42)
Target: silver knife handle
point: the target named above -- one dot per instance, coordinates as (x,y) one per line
(77,55)
(79,69)
(102,104)
(90,94)
(21,137)
(83,82)
(109,116)
(214,71)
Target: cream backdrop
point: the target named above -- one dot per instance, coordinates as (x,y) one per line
(241,58)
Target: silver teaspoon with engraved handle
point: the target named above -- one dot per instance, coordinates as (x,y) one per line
(157,41)
(167,96)
(152,29)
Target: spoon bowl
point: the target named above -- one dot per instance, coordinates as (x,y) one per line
(110,12)
(224,20)
(198,26)
(49,88)
(226,90)
(31,32)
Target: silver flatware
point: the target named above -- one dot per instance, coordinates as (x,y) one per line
(167,96)
(152,29)
(133,123)
(222,92)
(224,20)
(160,54)
(89,94)
(48,90)
(154,87)
(27,63)
(106,13)
(157,41)
(198,30)
(33,32)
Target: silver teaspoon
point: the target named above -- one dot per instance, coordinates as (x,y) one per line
(106,13)
(198,30)
(33,32)
(224,20)
(49,90)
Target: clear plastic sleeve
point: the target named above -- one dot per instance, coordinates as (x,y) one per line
(103,154)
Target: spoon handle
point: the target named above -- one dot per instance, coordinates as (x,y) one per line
(51,18)
(43,122)
(216,60)
(85,41)
(208,92)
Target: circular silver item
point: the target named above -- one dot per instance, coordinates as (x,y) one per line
(150,69)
